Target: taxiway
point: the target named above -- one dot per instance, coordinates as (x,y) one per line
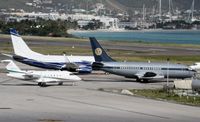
(26,102)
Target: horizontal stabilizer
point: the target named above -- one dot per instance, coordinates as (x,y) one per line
(11,65)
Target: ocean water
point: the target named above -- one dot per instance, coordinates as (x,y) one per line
(168,36)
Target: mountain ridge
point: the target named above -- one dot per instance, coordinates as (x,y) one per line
(114,4)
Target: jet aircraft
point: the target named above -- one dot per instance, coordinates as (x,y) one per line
(141,71)
(41,77)
(24,54)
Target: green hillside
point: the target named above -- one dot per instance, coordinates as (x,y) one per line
(13,3)
(181,4)
(120,4)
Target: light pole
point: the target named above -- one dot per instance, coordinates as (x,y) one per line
(167,73)
(160,9)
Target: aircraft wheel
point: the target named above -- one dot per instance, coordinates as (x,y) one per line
(138,80)
(145,81)
(43,84)
(60,83)
(39,84)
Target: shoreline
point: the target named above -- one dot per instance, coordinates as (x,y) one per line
(71,31)
(4,38)
(179,36)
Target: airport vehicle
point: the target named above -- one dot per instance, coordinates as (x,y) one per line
(24,54)
(195,66)
(41,77)
(141,71)
(188,84)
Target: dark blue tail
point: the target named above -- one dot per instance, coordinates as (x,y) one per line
(98,52)
(13,32)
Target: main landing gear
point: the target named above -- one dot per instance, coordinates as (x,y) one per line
(42,84)
(142,80)
(60,83)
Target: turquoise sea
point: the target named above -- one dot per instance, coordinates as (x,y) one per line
(163,36)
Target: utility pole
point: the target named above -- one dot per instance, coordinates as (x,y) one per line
(170,14)
(144,12)
(153,11)
(144,17)
(192,11)
(87,7)
(167,73)
(160,9)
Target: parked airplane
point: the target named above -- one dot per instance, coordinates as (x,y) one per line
(41,77)
(25,55)
(195,66)
(139,70)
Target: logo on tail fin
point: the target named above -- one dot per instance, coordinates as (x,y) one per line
(98,51)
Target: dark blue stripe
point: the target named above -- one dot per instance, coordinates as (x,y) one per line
(52,65)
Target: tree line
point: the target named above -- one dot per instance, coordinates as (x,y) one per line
(39,27)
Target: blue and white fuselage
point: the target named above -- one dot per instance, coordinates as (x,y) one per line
(60,62)
(83,66)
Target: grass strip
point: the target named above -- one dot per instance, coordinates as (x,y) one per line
(160,94)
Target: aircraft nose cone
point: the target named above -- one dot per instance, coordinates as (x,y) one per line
(194,71)
(78,78)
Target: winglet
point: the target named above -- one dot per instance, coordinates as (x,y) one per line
(13,32)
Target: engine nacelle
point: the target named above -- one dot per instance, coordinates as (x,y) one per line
(196,84)
(150,74)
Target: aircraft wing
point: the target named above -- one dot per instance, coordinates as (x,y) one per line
(149,75)
(39,78)
(70,66)
(80,67)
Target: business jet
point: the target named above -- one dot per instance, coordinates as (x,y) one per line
(41,77)
(24,54)
(141,71)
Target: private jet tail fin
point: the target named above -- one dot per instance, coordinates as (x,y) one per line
(20,47)
(11,65)
(98,52)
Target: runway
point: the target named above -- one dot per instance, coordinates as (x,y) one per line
(26,102)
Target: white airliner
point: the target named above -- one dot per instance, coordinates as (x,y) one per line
(25,55)
(41,77)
